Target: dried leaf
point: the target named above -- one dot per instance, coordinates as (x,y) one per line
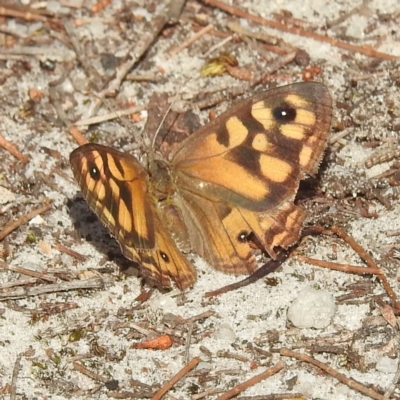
(388,314)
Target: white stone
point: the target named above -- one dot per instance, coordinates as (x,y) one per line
(163,302)
(356,29)
(37,220)
(306,384)
(225,332)
(387,365)
(312,309)
(6,195)
(203,365)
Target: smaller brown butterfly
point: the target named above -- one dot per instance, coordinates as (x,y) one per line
(228,186)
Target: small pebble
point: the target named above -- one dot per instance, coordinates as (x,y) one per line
(312,309)
(6,195)
(165,303)
(387,365)
(225,332)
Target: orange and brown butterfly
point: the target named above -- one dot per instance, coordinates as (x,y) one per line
(227,186)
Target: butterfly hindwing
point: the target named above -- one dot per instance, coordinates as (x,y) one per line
(222,245)
(167,263)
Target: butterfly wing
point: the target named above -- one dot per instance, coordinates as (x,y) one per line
(238,175)
(166,262)
(222,248)
(115,186)
(254,155)
(220,232)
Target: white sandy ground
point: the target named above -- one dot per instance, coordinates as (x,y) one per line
(242,316)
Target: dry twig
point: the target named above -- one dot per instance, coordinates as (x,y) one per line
(335,374)
(168,385)
(12,149)
(94,77)
(162,342)
(26,13)
(136,53)
(19,282)
(366,50)
(29,272)
(109,116)
(77,135)
(70,252)
(217,46)
(251,382)
(340,267)
(17,368)
(191,40)
(369,261)
(92,375)
(23,220)
(203,315)
(94,283)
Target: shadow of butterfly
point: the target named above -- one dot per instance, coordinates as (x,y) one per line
(227,186)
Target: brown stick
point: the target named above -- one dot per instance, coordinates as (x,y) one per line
(77,135)
(12,149)
(21,292)
(168,385)
(23,220)
(369,261)
(367,51)
(21,12)
(70,252)
(337,375)
(92,375)
(340,267)
(189,41)
(252,381)
(28,272)
(14,379)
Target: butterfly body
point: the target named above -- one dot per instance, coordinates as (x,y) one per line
(227,186)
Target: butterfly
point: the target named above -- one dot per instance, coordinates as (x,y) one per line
(225,190)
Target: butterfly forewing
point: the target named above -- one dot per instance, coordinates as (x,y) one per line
(115,186)
(254,154)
